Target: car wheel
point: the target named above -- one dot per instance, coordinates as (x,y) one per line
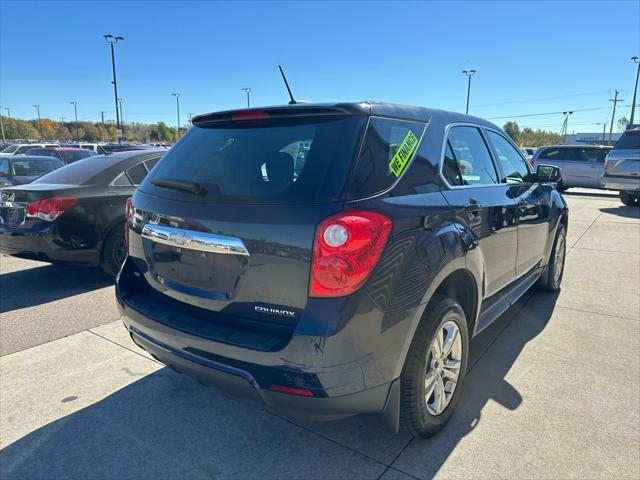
(629,199)
(434,369)
(113,251)
(552,274)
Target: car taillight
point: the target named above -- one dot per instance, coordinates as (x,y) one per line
(127,214)
(50,209)
(606,162)
(346,248)
(532,161)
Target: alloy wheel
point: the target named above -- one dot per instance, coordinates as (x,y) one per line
(443,367)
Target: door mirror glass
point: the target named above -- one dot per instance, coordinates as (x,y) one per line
(549,174)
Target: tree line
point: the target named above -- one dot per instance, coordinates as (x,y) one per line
(527,137)
(15,128)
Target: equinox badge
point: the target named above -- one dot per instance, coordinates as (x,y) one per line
(275,311)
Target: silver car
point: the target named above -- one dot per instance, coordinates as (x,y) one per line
(622,168)
(581,165)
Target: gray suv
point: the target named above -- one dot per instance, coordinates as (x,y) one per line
(581,165)
(622,168)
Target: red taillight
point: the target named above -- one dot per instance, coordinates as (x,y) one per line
(50,209)
(302,392)
(346,247)
(127,214)
(532,161)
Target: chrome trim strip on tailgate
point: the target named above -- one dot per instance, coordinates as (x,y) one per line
(189,239)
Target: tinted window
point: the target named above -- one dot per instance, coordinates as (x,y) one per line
(388,147)
(467,160)
(137,173)
(513,166)
(4,168)
(122,181)
(71,157)
(34,167)
(10,149)
(290,160)
(77,173)
(23,149)
(43,152)
(586,154)
(552,154)
(150,163)
(629,140)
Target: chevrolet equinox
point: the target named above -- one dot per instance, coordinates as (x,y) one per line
(335,259)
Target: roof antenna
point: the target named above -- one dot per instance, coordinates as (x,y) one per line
(292,101)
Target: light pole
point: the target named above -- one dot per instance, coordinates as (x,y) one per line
(247,90)
(469,74)
(111,40)
(635,89)
(121,118)
(604,129)
(75,111)
(177,95)
(190,116)
(615,101)
(563,130)
(37,107)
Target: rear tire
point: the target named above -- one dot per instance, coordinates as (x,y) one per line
(553,272)
(431,382)
(113,251)
(629,199)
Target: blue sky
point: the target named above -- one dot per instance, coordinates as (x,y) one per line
(531,57)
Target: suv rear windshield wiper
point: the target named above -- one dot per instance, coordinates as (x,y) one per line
(185,186)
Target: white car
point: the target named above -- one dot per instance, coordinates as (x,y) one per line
(21,148)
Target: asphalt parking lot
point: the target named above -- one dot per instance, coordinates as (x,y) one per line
(553,391)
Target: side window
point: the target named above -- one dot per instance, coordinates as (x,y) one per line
(467,160)
(387,149)
(513,166)
(150,163)
(552,154)
(122,181)
(4,168)
(137,173)
(583,155)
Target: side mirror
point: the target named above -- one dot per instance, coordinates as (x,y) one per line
(549,174)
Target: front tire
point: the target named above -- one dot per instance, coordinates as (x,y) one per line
(629,199)
(434,369)
(113,251)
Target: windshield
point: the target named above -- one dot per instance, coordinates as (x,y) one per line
(629,141)
(291,160)
(10,149)
(34,167)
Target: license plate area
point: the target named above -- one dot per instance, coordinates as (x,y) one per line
(12,215)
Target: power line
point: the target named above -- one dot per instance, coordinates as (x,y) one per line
(547,113)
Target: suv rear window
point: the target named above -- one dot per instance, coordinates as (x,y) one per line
(629,140)
(270,161)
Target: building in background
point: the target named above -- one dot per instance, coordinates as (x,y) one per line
(592,138)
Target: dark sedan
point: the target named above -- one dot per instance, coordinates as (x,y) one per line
(23,169)
(75,214)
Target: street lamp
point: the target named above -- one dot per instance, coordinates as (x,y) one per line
(177,95)
(121,118)
(37,107)
(469,74)
(635,89)
(563,130)
(75,111)
(112,40)
(247,90)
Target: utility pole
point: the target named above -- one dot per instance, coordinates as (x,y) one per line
(635,89)
(61,124)
(111,40)
(2,128)
(565,124)
(615,101)
(8,119)
(75,111)
(190,116)
(103,130)
(469,74)
(37,107)
(247,90)
(177,95)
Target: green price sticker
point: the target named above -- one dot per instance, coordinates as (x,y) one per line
(403,155)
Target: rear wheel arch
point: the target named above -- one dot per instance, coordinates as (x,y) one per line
(461,286)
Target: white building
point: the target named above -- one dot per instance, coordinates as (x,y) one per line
(592,138)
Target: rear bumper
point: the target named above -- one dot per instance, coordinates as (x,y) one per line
(631,184)
(242,384)
(43,245)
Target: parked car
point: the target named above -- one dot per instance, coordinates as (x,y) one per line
(21,148)
(622,168)
(21,169)
(346,280)
(581,165)
(121,147)
(67,155)
(75,214)
(528,152)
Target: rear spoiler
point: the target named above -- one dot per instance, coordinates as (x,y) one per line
(297,110)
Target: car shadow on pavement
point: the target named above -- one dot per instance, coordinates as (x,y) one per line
(623,211)
(47,283)
(164,425)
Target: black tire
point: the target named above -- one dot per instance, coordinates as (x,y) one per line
(562,189)
(113,251)
(629,199)
(550,281)
(415,416)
